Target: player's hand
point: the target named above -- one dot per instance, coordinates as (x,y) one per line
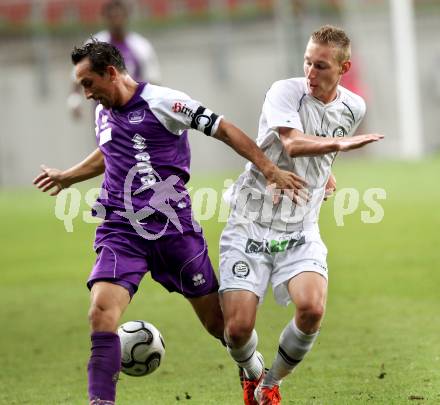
(292,185)
(49,179)
(355,142)
(330,187)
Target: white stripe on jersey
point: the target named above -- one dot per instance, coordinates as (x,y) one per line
(98,109)
(105,136)
(288,104)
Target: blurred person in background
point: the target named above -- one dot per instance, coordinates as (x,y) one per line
(143,151)
(139,55)
(304,123)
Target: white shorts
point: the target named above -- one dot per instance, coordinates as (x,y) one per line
(252,255)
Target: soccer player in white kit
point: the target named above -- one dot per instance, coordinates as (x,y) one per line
(304,124)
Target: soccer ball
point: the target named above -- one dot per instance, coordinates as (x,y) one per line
(142,348)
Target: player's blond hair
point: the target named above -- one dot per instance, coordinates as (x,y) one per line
(334,36)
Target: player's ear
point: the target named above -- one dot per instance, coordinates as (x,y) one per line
(112,72)
(345,66)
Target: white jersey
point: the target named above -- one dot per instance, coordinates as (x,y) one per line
(289,104)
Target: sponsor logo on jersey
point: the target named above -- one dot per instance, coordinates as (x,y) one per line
(273,246)
(339,132)
(240,269)
(202,119)
(182,108)
(136,117)
(139,142)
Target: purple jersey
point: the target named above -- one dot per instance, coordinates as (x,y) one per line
(147,157)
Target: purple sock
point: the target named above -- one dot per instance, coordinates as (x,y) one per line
(104,365)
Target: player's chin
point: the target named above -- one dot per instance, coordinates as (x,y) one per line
(312,91)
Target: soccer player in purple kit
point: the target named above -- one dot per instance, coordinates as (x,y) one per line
(143,151)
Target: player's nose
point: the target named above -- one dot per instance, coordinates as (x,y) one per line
(311,73)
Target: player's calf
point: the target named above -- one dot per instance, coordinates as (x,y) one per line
(210,314)
(103,367)
(248,358)
(294,344)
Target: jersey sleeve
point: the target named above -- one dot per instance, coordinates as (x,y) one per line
(281,105)
(176,111)
(361,114)
(358,108)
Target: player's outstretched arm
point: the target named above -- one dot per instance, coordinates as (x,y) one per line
(92,166)
(246,147)
(297,143)
(358,141)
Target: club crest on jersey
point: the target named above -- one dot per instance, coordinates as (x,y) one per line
(340,132)
(240,269)
(136,117)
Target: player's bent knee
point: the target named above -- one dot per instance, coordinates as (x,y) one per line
(311,313)
(238,333)
(103,320)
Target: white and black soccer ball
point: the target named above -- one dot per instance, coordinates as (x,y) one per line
(142,348)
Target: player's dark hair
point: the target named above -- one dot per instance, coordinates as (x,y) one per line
(101,55)
(333,36)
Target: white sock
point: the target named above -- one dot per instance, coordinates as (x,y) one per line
(246,357)
(294,345)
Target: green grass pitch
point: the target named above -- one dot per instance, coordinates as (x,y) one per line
(379,342)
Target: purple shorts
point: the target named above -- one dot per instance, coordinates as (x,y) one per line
(179,262)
